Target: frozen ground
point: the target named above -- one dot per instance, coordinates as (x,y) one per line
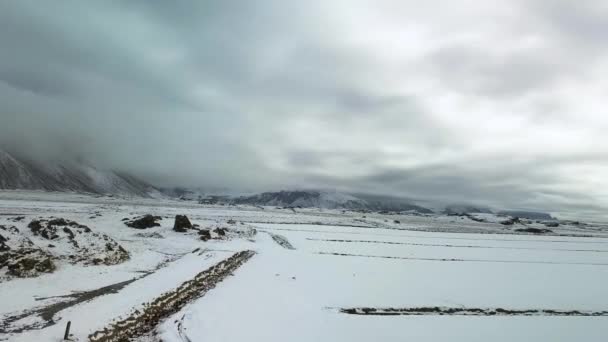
(308,266)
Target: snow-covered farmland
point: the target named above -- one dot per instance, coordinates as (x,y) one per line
(316,275)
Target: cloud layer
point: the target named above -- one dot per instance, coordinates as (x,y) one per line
(477,101)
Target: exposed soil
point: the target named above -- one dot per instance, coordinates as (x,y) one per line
(281,240)
(152,235)
(143,321)
(461,311)
(27,262)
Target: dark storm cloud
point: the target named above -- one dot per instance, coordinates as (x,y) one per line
(381,96)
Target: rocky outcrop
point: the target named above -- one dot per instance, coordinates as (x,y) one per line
(20,256)
(39,248)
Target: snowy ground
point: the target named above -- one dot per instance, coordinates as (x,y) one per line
(309,264)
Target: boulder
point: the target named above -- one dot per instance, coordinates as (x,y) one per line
(146,221)
(220,231)
(205,234)
(182,224)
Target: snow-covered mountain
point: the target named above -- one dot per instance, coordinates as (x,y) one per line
(531,215)
(304,199)
(22,173)
(327,200)
(466,209)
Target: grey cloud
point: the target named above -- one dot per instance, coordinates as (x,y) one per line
(474,70)
(581,23)
(285,94)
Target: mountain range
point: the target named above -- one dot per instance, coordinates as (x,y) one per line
(22,173)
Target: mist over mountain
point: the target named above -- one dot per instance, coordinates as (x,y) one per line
(19,172)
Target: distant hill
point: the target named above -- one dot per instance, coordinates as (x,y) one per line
(530,215)
(465,209)
(20,173)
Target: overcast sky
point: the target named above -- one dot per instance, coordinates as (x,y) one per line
(499,102)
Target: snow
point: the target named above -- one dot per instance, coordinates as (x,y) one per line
(294,295)
(303,309)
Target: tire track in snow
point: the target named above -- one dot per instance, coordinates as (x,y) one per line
(45,316)
(464,260)
(456,246)
(448,237)
(144,320)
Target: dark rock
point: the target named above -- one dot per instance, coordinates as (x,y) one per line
(35,226)
(397,221)
(182,224)
(58,222)
(41,228)
(552,224)
(205,234)
(510,221)
(534,230)
(220,231)
(3,246)
(231,221)
(69,232)
(146,221)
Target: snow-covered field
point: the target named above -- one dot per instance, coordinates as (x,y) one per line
(309,265)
